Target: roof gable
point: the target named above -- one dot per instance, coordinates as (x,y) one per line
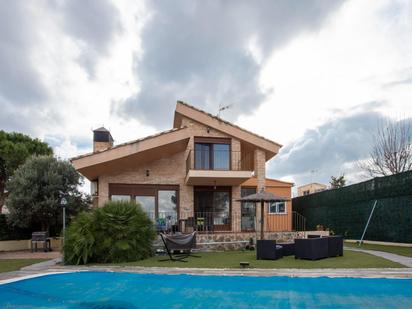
(188,111)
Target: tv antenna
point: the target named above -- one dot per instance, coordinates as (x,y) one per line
(222,108)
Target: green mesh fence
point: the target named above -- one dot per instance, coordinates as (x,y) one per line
(345,211)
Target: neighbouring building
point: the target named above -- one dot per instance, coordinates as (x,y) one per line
(311,188)
(191,176)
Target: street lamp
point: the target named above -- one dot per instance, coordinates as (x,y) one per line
(63,203)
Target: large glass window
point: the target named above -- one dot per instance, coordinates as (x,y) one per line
(221,207)
(160,202)
(122,198)
(202,156)
(210,156)
(148,204)
(221,157)
(167,202)
(248,211)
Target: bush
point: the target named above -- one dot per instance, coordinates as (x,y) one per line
(117,232)
(10,232)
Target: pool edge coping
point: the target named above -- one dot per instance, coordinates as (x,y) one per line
(370,273)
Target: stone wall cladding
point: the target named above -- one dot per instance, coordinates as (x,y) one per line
(238,241)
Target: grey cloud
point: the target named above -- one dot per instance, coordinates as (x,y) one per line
(327,148)
(197,51)
(94,23)
(82,143)
(401,82)
(20,82)
(402,77)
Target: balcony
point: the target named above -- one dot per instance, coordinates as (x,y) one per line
(218,167)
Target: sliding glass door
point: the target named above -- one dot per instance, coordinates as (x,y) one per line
(160,202)
(248,211)
(212,208)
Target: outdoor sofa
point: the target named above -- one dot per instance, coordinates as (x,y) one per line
(335,246)
(319,247)
(268,250)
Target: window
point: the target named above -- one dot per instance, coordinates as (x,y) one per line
(148,204)
(212,155)
(122,198)
(167,204)
(248,211)
(277,208)
(158,201)
(306,192)
(221,157)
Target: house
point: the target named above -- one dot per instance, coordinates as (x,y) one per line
(311,188)
(191,176)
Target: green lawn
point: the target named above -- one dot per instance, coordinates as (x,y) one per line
(231,259)
(406,251)
(12,264)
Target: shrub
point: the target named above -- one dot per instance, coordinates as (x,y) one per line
(117,232)
(10,232)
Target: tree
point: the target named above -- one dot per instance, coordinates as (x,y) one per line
(36,189)
(15,148)
(392,149)
(337,182)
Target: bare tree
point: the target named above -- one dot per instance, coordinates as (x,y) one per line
(392,149)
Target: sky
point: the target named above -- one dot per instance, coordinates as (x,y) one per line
(316,76)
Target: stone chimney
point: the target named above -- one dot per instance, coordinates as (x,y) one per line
(102,139)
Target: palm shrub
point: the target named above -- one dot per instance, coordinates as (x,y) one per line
(117,232)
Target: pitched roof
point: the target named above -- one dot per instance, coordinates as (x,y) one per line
(226,122)
(128,143)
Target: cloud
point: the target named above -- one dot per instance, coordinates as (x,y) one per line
(20,82)
(94,23)
(42,44)
(331,149)
(211,53)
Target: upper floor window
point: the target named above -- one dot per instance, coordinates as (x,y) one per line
(213,155)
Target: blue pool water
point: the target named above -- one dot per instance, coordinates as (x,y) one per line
(125,290)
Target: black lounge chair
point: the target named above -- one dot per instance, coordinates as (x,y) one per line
(311,248)
(268,250)
(184,243)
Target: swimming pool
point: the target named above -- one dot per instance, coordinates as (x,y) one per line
(127,290)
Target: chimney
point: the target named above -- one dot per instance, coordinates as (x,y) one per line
(102,139)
